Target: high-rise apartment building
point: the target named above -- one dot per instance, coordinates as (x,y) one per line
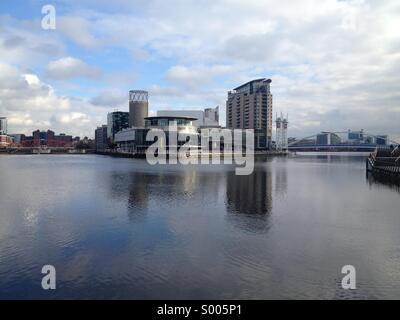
(116,121)
(138,107)
(249,106)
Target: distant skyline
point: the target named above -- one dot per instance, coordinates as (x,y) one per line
(334,65)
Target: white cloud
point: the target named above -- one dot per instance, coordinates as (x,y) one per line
(69,67)
(332,63)
(78,30)
(74,117)
(197,75)
(22,39)
(31,104)
(110,98)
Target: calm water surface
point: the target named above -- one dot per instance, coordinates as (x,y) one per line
(120,228)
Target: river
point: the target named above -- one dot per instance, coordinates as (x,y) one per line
(120,228)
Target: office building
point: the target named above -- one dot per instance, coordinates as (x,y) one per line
(138,107)
(326,138)
(208,117)
(211,116)
(101,140)
(381,140)
(197,115)
(355,136)
(249,106)
(116,121)
(3,125)
(360,137)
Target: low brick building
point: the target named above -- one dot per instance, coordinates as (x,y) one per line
(47,138)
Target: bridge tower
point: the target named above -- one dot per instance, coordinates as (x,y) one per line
(281,133)
(278,122)
(285,123)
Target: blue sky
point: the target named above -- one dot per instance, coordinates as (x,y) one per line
(334,65)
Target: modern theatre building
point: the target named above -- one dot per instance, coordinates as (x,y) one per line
(133,140)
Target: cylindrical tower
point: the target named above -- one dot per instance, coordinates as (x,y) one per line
(138,107)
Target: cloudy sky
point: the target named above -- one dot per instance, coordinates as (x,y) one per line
(334,64)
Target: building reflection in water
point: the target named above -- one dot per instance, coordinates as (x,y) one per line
(137,189)
(249,199)
(168,188)
(131,189)
(281,178)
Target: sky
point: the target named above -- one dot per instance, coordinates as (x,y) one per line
(334,65)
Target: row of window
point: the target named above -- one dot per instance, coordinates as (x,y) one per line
(166,122)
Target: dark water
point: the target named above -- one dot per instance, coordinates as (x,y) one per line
(119,228)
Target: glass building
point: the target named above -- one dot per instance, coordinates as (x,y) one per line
(116,121)
(133,140)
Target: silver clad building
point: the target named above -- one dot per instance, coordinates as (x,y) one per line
(211,116)
(138,107)
(208,117)
(198,114)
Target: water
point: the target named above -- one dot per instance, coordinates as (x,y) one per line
(119,228)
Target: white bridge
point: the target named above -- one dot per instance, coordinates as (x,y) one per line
(332,141)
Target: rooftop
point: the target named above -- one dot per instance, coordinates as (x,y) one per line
(252,81)
(171,117)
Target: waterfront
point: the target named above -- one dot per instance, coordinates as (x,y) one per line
(119,228)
